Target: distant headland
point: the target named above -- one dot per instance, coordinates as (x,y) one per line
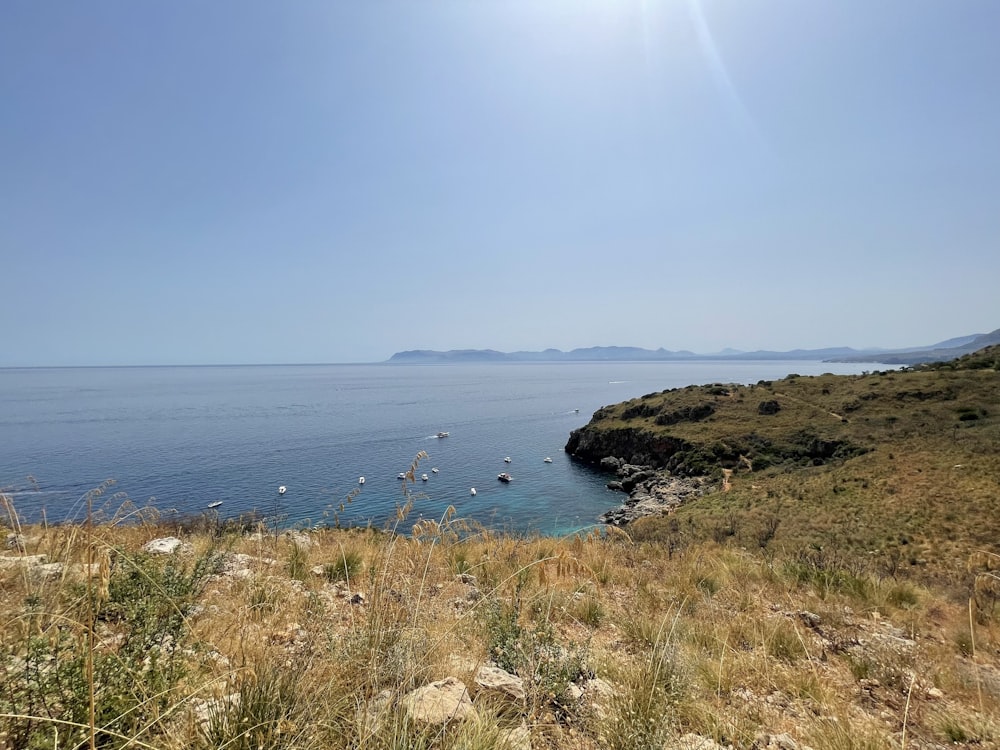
(943,350)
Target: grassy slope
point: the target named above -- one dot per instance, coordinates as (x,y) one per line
(903,467)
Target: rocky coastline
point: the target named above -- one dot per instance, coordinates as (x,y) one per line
(650,491)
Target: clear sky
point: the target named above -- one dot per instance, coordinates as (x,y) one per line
(235,181)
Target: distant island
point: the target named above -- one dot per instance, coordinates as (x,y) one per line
(941,351)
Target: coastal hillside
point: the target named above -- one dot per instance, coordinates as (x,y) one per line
(901,467)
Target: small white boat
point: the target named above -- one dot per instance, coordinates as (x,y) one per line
(361,480)
(473,492)
(507,460)
(282,490)
(215,504)
(423,477)
(434,470)
(442,434)
(547,460)
(401,475)
(504,477)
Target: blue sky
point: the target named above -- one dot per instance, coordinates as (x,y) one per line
(315,181)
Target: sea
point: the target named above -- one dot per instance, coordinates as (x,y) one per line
(174,440)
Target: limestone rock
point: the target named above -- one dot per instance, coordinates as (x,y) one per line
(497,680)
(235,563)
(439,702)
(299,539)
(47,571)
(26,560)
(654,495)
(167,545)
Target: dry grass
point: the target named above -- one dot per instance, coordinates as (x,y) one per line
(714,641)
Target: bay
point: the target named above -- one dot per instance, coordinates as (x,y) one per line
(179,438)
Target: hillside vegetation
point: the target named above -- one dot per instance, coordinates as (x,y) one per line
(842,595)
(898,468)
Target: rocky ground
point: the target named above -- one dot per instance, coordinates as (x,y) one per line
(650,491)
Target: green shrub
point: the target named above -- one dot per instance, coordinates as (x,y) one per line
(346,567)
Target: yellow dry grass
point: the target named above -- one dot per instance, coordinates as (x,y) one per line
(285,650)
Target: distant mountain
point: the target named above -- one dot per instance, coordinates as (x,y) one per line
(611,354)
(943,350)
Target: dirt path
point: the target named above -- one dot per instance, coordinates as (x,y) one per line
(838,417)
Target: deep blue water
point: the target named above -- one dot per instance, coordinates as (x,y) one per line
(182,437)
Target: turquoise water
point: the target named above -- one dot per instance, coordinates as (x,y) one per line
(183,437)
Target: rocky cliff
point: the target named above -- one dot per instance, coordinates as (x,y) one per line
(632,445)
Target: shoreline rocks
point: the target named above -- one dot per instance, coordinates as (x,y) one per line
(651,492)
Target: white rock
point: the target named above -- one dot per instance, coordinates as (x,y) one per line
(28,560)
(234,562)
(47,571)
(166,545)
(299,539)
(498,680)
(440,702)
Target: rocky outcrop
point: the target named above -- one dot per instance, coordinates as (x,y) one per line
(632,445)
(660,493)
(167,545)
(595,444)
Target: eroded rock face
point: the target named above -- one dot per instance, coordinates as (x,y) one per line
(637,446)
(439,702)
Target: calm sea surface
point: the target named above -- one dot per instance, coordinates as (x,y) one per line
(183,437)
